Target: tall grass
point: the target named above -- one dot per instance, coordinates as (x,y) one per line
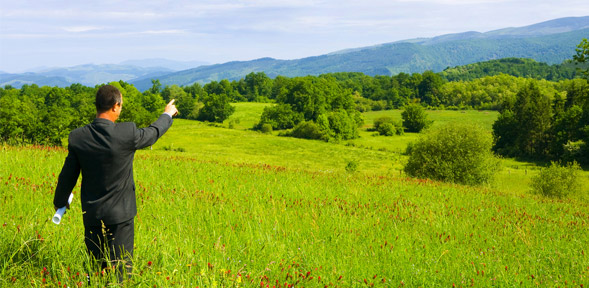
(213,223)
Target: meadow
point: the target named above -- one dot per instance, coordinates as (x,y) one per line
(221,207)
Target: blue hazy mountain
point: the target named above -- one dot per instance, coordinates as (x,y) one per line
(550,42)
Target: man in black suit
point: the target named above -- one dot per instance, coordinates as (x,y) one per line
(103,151)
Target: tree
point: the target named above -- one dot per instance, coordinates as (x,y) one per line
(414,118)
(184,101)
(258,86)
(524,129)
(582,55)
(280,116)
(429,88)
(455,152)
(216,108)
(533,113)
(156,86)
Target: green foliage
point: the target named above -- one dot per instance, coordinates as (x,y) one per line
(185,102)
(386,126)
(352,166)
(313,99)
(280,116)
(266,128)
(414,118)
(429,88)
(339,125)
(517,67)
(216,108)
(582,55)
(456,152)
(523,131)
(308,130)
(256,87)
(557,180)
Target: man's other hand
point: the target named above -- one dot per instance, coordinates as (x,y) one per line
(171,108)
(67,206)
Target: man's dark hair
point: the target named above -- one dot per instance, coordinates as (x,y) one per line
(106,97)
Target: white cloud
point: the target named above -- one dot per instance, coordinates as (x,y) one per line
(171,31)
(79,29)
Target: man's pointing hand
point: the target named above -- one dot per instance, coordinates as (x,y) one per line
(171,108)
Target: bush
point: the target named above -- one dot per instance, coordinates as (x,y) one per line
(458,153)
(308,130)
(386,126)
(557,180)
(266,128)
(414,118)
(280,117)
(352,166)
(216,109)
(387,129)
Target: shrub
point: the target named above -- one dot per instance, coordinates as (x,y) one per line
(458,153)
(414,118)
(557,180)
(266,128)
(386,126)
(308,130)
(387,129)
(352,166)
(216,109)
(280,117)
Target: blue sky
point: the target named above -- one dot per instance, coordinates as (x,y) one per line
(47,33)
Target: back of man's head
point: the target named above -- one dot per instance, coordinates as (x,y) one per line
(106,97)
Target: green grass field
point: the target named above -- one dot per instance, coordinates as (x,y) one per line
(240,208)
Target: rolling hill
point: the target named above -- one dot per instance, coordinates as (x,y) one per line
(551,42)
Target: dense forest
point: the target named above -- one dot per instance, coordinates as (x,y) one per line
(539,118)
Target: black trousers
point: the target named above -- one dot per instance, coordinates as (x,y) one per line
(112,246)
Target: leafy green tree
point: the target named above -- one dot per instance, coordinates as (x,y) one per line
(524,129)
(415,118)
(505,132)
(258,87)
(216,108)
(224,87)
(196,91)
(341,125)
(533,113)
(429,88)
(280,116)
(582,55)
(455,152)
(184,101)
(156,86)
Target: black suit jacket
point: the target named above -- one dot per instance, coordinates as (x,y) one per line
(104,152)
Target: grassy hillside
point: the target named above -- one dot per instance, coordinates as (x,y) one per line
(240,208)
(220,224)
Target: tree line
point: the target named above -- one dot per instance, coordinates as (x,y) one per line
(323,107)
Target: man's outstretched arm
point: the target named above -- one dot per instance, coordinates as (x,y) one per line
(148,136)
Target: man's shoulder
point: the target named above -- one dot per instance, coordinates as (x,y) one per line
(80,130)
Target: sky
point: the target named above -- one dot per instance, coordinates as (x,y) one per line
(64,33)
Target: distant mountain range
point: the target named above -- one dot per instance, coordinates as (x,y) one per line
(551,42)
